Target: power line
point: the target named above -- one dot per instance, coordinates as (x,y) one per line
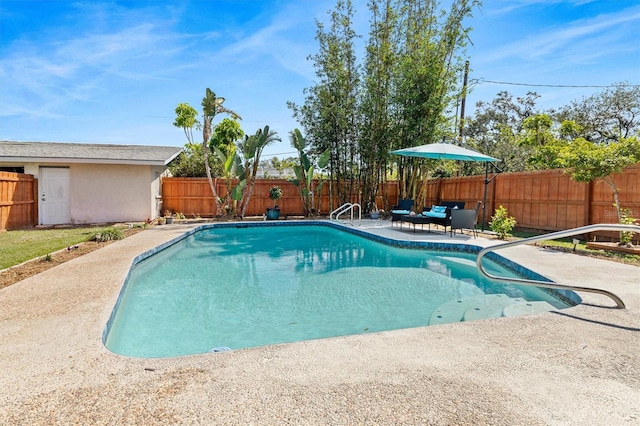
(482,80)
(284,153)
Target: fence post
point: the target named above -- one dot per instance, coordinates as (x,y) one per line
(587,203)
(36,205)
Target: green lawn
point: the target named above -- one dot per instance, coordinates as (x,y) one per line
(19,246)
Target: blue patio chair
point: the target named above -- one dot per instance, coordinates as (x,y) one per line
(403,208)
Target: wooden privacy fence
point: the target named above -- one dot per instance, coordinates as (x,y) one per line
(192,197)
(18,206)
(547,200)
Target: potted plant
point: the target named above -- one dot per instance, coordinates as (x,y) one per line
(275,193)
(168,216)
(375,213)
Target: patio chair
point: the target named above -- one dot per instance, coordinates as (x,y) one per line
(401,209)
(465,219)
(440,215)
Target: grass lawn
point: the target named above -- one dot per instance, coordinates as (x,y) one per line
(19,246)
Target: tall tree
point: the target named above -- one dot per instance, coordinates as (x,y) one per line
(496,129)
(186,120)
(223,143)
(426,79)
(606,116)
(329,114)
(376,137)
(410,85)
(211,106)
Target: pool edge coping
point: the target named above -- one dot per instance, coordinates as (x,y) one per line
(566,296)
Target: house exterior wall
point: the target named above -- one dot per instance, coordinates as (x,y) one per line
(112,193)
(109,192)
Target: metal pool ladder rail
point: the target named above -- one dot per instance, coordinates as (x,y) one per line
(346,207)
(553,236)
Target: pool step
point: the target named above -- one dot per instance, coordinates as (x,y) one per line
(485,306)
(527,308)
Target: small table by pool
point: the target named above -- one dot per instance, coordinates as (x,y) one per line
(416,220)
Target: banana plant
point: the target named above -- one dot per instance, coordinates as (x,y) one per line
(251,149)
(304,171)
(239,195)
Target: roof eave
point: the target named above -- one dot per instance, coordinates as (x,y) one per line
(173,157)
(85,161)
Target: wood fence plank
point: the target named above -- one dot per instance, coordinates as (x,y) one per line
(17,200)
(546,200)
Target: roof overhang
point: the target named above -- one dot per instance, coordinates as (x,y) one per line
(77,153)
(85,161)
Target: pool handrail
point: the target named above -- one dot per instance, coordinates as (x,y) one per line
(553,236)
(345,208)
(339,209)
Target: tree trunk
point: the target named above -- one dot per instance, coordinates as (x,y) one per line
(206,135)
(248,190)
(616,202)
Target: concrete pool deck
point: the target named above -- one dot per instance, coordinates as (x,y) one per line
(577,366)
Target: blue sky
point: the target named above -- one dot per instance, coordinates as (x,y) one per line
(113,72)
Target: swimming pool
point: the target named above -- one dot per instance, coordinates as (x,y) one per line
(246,285)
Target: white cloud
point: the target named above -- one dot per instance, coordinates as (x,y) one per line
(571,38)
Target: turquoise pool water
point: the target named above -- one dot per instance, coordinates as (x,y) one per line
(253,286)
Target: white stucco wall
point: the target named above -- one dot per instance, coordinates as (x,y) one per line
(110,193)
(113,193)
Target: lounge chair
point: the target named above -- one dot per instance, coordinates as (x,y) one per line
(465,219)
(401,209)
(441,214)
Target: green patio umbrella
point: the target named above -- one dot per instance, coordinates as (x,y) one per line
(444,151)
(447,151)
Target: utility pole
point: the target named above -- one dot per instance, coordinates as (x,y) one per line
(464,100)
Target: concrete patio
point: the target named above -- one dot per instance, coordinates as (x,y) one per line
(574,367)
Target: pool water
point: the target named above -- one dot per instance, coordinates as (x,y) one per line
(232,288)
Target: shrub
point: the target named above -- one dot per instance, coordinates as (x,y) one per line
(275,193)
(626,237)
(108,234)
(502,224)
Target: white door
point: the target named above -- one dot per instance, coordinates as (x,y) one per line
(54,196)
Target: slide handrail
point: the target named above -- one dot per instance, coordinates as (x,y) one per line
(553,236)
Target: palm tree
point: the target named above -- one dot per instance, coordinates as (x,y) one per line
(212,105)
